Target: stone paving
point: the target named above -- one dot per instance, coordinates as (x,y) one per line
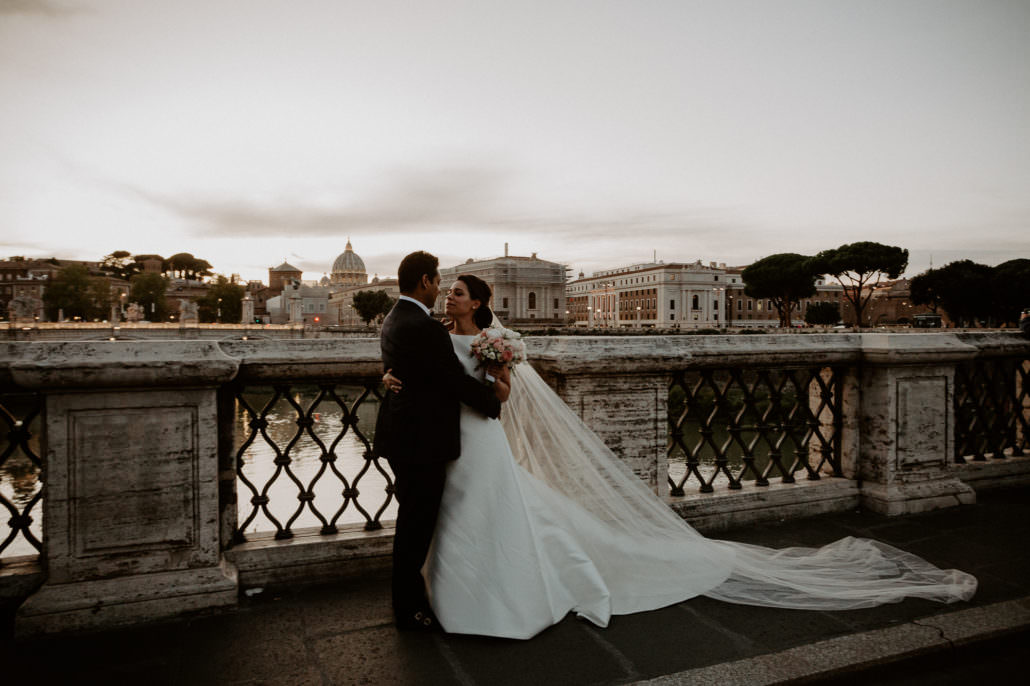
(342,634)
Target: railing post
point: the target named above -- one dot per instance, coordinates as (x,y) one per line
(906,422)
(131,511)
(618,390)
(629,413)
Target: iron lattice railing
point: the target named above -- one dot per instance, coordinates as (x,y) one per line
(992,408)
(305,456)
(21,467)
(742,424)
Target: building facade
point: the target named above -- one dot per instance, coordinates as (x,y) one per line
(676,296)
(341,302)
(528,292)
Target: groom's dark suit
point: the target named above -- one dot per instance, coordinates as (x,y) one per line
(418,431)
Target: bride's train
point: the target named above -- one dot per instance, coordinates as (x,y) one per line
(540,518)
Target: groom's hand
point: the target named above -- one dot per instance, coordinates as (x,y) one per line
(391,382)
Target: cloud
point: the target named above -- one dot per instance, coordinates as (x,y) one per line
(410,201)
(37,7)
(426,202)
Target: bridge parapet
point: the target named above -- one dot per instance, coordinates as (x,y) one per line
(161,457)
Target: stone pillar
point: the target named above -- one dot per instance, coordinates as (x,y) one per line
(296,308)
(907,424)
(248,310)
(132,503)
(620,388)
(625,411)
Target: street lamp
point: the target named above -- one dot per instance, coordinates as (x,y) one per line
(219,310)
(638,316)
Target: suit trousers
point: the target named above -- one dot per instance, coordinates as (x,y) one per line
(419,488)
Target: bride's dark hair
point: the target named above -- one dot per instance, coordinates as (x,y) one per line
(478,290)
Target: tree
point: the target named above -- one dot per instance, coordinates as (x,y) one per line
(1010,283)
(67,294)
(962,288)
(856,265)
(822,314)
(73,292)
(140,259)
(784,279)
(926,289)
(223,302)
(372,305)
(148,290)
(101,296)
(186,266)
(120,264)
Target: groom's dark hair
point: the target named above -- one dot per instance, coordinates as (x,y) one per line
(409,274)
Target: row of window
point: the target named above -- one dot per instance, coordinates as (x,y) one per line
(532,302)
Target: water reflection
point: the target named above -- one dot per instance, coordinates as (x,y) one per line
(333,430)
(20,477)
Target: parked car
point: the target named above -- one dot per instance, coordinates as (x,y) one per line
(1024,323)
(927,321)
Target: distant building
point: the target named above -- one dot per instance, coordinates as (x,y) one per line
(348,270)
(527,291)
(676,295)
(744,311)
(179,291)
(23,283)
(299,304)
(890,304)
(341,302)
(655,294)
(280,276)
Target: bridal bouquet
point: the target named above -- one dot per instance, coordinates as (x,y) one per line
(500,345)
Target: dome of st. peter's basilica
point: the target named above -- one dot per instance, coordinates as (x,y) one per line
(348,269)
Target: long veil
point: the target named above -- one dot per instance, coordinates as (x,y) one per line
(553,444)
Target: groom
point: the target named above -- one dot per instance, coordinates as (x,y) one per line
(417,429)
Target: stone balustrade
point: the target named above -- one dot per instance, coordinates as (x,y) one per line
(141,486)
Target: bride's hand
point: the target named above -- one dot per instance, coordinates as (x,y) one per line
(502,385)
(500,372)
(391,382)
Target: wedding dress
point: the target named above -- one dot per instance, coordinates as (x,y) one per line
(540,518)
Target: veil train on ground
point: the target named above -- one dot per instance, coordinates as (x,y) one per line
(550,442)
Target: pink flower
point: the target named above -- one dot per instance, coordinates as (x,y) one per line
(507,356)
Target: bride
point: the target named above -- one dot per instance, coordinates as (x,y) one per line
(540,518)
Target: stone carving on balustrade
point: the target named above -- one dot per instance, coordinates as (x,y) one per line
(133,313)
(25,308)
(188,312)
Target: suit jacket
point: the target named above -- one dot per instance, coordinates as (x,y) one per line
(421,423)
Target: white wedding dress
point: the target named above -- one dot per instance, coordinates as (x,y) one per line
(539,518)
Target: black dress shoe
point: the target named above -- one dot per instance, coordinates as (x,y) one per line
(420,620)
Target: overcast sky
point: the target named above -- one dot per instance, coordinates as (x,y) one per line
(593,133)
